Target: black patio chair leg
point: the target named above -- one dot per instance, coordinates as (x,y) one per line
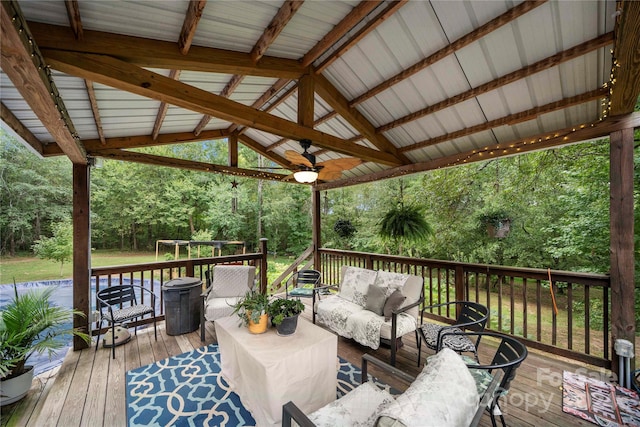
(155,329)
(98,339)
(113,340)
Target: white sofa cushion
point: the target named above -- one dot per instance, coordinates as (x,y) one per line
(358,408)
(355,284)
(334,311)
(443,394)
(219,307)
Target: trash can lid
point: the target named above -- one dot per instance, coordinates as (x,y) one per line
(182,282)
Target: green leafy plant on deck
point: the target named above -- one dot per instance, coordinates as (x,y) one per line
(30,323)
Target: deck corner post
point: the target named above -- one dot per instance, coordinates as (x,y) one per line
(81,251)
(621,240)
(263,265)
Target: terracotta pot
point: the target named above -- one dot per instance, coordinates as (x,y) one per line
(16,388)
(260,327)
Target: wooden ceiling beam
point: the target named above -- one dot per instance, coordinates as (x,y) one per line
(140,141)
(124,76)
(160,54)
(558,138)
(12,121)
(264,98)
(537,67)
(93,101)
(626,54)
(151,159)
(34,82)
(512,119)
(463,41)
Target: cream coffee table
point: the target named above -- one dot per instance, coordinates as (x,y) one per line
(267,370)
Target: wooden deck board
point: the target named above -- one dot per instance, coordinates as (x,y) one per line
(89,387)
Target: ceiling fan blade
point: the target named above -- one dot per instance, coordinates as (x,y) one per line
(297,158)
(329,174)
(340,164)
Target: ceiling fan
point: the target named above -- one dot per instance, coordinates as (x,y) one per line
(308,170)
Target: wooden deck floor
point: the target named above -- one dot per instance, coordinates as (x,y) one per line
(89,388)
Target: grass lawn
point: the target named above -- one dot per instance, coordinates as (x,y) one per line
(31,268)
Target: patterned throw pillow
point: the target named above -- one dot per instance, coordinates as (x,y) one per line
(355,284)
(390,281)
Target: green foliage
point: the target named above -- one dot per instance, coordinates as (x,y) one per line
(344,228)
(59,247)
(405,223)
(281,308)
(29,324)
(253,305)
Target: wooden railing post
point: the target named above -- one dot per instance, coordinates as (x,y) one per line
(263,265)
(461,295)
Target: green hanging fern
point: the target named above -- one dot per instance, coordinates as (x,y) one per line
(405,223)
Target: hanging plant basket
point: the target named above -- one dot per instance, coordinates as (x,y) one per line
(499,229)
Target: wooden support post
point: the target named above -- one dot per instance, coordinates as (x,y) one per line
(316,227)
(233,149)
(81,251)
(621,240)
(263,265)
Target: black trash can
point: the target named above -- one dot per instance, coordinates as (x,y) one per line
(182,305)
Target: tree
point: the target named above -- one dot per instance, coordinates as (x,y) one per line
(58,247)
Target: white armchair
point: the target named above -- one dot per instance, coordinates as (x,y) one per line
(226,284)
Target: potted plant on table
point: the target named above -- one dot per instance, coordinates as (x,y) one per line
(30,323)
(252,309)
(284,315)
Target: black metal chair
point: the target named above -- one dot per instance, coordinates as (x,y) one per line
(119,305)
(507,358)
(303,284)
(472,317)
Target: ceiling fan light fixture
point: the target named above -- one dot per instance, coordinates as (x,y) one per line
(305,176)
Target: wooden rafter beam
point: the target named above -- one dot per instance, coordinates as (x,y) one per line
(73,13)
(151,159)
(160,54)
(93,101)
(336,33)
(34,82)
(124,76)
(188,31)
(275,27)
(345,25)
(512,119)
(257,147)
(140,141)
(12,121)
(339,103)
(190,24)
(558,138)
(626,54)
(391,8)
(463,41)
(537,67)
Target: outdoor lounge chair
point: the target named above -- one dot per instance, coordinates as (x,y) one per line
(303,283)
(119,305)
(472,316)
(226,284)
(508,357)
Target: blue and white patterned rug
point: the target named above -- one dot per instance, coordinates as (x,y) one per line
(188,390)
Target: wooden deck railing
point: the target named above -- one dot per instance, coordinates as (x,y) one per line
(520,300)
